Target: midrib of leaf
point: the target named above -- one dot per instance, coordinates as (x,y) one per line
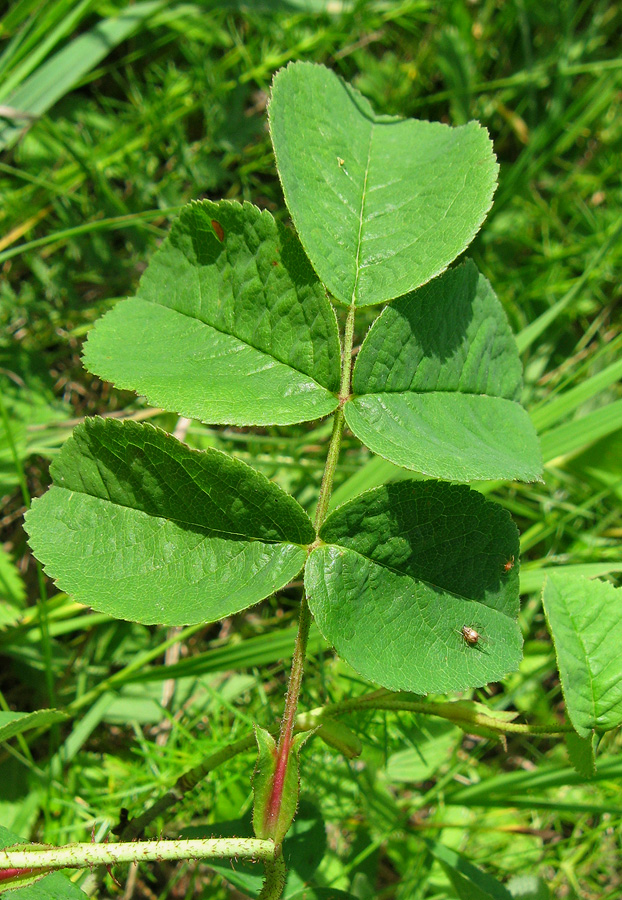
(361,217)
(184,524)
(433,391)
(268,356)
(586,658)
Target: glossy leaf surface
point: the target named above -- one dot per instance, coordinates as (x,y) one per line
(381,204)
(437,383)
(230,324)
(584,618)
(407,566)
(141,527)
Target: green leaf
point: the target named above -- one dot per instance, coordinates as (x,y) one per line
(532,579)
(584,620)
(141,527)
(271,820)
(13,723)
(469,882)
(381,204)
(404,568)
(581,753)
(437,385)
(230,324)
(572,437)
(433,745)
(341,738)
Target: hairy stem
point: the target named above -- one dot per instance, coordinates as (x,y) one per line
(304,622)
(274,883)
(81,855)
(377,700)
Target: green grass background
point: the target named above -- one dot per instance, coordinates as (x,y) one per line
(112,116)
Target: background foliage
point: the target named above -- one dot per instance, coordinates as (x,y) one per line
(112,117)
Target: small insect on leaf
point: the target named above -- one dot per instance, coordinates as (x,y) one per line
(470,635)
(218,230)
(507,566)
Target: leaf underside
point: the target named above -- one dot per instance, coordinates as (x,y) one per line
(230,324)
(437,382)
(141,527)
(382,205)
(405,567)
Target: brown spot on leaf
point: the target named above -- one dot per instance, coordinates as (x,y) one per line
(218,230)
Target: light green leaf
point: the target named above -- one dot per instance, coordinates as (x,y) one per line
(572,437)
(230,324)
(141,527)
(584,620)
(403,569)
(433,745)
(528,887)
(381,204)
(13,723)
(437,382)
(341,738)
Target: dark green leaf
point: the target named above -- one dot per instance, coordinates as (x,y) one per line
(581,753)
(141,527)
(407,566)
(469,882)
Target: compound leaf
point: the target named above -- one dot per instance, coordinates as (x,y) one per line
(381,204)
(141,527)
(584,619)
(404,568)
(230,324)
(437,383)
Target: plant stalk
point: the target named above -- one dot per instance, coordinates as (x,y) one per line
(304,621)
(82,855)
